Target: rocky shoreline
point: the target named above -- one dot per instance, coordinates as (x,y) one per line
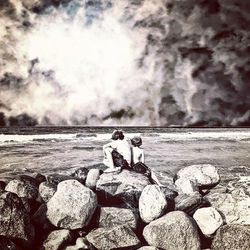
(91,209)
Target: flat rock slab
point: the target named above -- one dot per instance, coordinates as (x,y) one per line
(173,231)
(113,238)
(232,237)
(113,216)
(234,207)
(124,187)
(72,205)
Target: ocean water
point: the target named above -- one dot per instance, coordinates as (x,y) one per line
(63,149)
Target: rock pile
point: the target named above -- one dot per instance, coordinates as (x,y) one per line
(94,210)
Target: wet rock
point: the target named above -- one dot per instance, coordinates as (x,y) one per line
(186,186)
(14,220)
(6,244)
(113,238)
(152,203)
(189,203)
(57,239)
(72,206)
(112,216)
(122,188)
(81,244)
(228,237)
(81,174)
(234,207)
(46,190)
(204,175)
(92,178)
(173,231)
(22,189)
(208,219)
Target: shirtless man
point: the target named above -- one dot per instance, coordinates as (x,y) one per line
(121,145)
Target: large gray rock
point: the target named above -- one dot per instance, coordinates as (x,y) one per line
(113,216)
(72,206)
(208,219)
(57,239)
(23,189)
(121,188)
(186,186)
(189,203)
(204,175)
(46,190)
(234,207)
(173,231)
(232,237)
(152,203)
(92,178)
(113,238)
(14,219)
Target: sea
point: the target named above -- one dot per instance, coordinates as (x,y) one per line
(62,150)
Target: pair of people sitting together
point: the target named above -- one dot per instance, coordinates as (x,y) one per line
(123,153)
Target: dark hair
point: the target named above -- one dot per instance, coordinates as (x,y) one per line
(115,135)
(121,135)
(136,141)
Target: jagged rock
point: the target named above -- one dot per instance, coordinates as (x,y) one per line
(113,216)
(234,207)
(189,203)
(232,237)
(23,189)
(152,203)
(92,178)
(204,175)
(81,244)
(208,219)
(122,188)
(113,238)
(57,239)
(46,190)
(81,174)
(6,244)
(14,220)
(186,186)
(72,205)
(173,231)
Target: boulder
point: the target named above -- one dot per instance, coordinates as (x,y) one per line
(72,205)
(113,216)
(173,231)
(57,239)
(186,186)
(14,219)
(204,175)
(113,238)
(6,244)
(189,203)
(122,188)
(208,219)
(92,178)
(23,189)
(46,190)
(152,203)
(234,207)
(148,248)
(232,237)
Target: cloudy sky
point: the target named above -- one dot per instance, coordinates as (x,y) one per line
(126,62)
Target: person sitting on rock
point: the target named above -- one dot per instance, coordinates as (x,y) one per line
(138,160)
(117,154)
